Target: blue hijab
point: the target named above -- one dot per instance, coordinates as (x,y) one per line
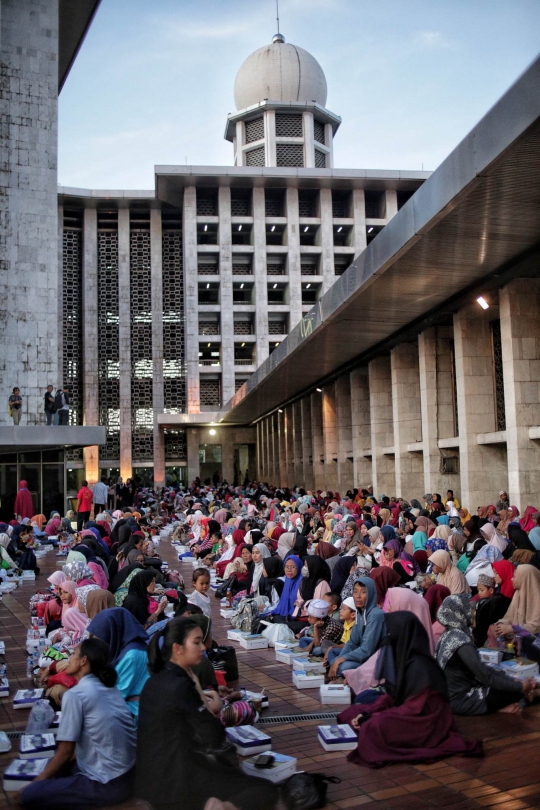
(534,537)
(389,533)
(118,628)
(285,606)
(443,520)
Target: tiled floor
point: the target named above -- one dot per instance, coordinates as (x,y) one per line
(508,777)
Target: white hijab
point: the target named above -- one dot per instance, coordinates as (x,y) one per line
(258,567)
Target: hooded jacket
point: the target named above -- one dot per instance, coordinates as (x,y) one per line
(369,628)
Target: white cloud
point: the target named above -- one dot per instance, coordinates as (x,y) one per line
(431,39)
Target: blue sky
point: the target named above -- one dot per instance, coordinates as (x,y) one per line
(153,82)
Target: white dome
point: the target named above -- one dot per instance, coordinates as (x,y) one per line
(279,72)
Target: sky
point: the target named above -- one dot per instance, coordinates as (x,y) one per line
(153,82)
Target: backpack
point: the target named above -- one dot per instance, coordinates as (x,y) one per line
(57,404)
(246,617)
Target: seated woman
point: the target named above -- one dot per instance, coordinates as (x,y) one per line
(127,642)
(255,578)
(447,573)
(78,572)
(413,721)
(435,596)
(282,613)
(93,765)
(518,541)
(524,609)
(53,608)
(482,563)
(384,578)
(366,634)
(491,606)
(272,581)
(140,601)
(180,742)
(343,578)
(473,687)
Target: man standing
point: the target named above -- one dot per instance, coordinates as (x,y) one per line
(15,406)
(62,405)
(502,503)
(48,402)
(84,505)
(100,497)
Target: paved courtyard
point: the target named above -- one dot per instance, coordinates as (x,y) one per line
(507,777)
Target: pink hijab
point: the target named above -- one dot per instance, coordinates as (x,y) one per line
(70,587)
(74,622)
(405,599)
(527,523)
(57,578)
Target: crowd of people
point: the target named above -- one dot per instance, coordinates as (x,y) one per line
(395,598)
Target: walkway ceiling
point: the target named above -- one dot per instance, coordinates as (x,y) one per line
(476,221)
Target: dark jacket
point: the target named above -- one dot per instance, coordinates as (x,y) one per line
(468,678)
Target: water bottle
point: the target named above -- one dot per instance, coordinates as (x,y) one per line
(30,666)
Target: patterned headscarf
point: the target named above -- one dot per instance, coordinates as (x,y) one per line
(77,570)
(82,594)
(455,616)
(436,544)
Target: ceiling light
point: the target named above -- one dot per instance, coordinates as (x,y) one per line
(279,410)
(340,229)
(276,344)
(208,344)
(370,229)
(273,228)
(242,286)
(319,390)
(206,227)
(208,286)
(239,227)
(483,303)
(306,229)
(274,286)
(242,345)
(212,432)
(308,286)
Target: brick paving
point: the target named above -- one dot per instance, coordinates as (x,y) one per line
(507,778)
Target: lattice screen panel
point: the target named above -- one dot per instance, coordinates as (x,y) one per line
(174,367)
(242,328)
(275,267)
(320,159)
(307,204)
(72,333)
(142,419)
(238,384)
(498,375)
(309,269)
(277,328)
(289,125)
(209,327)
(240,202)
(208,269)
(175,445)
(255,157)
(318,131)
(108,345)
(340,205)
(207,202)
(273,203)
(210,393)
(290,154)
(242,269)
(254,130)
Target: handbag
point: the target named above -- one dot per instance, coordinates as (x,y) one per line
(306,791)
(221,592)
(224,659)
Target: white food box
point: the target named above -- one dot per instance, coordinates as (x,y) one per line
(286,645)
(226,613)
(4,687)
(25,698)
(335,694)
(248,740)
(37,745)
(234,635)
(5,744)
(338,738)
(489,656)
(524,669)
(27,575)
(2,647)
(21,772)
(288,656)
(314,664)
(282,768)
(307,680)
(253,641)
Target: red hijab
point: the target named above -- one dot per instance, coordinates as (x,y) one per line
(435,596)
(238,539)
(23,502)
(505,570)
(384,578)
(527,523)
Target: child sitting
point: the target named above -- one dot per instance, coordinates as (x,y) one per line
(334,601)
(347,615)
(199,596)
(326,631)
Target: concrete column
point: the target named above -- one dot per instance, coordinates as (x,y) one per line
(157,343)
(382,428)
(407,419)
(361,427)
(270,446)
(239,141)
(329,141)
(227,321)
(264,451)
(90,338)
(484,469)
(294,263)
(359,214)
(191,302)
(29,298)
(298,454)
(258,451)
(330,443)
(259,272)
(520,337)
(289,445)
(270,138)
(307,443)
(192,441)
(391,203)
(317,442)
(124,342)
(327,239)
(60,299)
(309,140)
(283,460)
(344,434)
(226,439)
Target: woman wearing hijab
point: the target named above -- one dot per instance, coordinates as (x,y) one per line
(492,537)
(7,562)
(94,565)
(23,507)
(384,578)
(425,525)
(127,641)
(473,687)
(413,720)
(259,554)
(366,634)
(524,608)
(518,540)
(139,599)
(283,612)
(341,572)
(315,579)
(434,598)
(482,564)
(448,574)
(238,536)
(96,601)
(285,544)
(528,521)
(271,583)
